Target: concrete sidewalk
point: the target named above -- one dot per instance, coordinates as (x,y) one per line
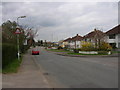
(28,76)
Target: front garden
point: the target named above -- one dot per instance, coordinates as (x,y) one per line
(87,48)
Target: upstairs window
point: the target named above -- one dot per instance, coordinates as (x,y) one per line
(112,36)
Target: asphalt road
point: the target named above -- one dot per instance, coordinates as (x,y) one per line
(78,72)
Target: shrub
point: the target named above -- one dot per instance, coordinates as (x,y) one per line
(105,47)
(9,53)
(76,50)
(65,48)
(59,47)
(102,52)
(87,46)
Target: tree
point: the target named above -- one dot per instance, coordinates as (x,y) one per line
(98,37)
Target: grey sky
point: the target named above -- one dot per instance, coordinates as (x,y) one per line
(59,20)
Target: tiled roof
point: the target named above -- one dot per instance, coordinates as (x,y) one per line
(77,38)
(115,30)
(68,39)
(98,33)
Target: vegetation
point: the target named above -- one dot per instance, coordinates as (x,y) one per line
(87,46)
(105,46)
(9,54)
(9,44)
(56,50)
(12,67)
(59,47)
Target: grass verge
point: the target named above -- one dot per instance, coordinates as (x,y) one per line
(12,67)
(56,50)
(115,51)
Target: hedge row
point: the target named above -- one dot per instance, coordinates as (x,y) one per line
(9,53)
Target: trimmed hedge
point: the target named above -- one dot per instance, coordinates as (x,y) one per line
(9,53)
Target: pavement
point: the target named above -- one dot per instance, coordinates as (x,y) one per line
(28,76)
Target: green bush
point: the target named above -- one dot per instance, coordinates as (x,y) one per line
(24,48)
(9,53)
(76,50)
(102,52)
(60,47)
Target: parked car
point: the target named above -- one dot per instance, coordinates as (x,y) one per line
(35,51)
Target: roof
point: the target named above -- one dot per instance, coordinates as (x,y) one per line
(115,30)
(77,38)
(68,39)
(97,33)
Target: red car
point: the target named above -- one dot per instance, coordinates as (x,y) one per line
(35,52)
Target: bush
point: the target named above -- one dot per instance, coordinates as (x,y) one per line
(87,46)
(105,47)
(65,48)
(9,53)
(59,47)
(102,52)
(76,50)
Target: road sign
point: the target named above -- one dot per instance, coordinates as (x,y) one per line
(17,31)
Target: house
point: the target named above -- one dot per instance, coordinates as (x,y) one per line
(75,42)
(113,37)
(66,43)
(95,37)
(60,43)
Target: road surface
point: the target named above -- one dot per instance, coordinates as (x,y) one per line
(78,72)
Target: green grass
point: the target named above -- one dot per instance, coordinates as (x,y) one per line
(12,67)
(115,51)
(84,54)
(56,50)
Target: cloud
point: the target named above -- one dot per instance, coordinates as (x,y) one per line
(63,19)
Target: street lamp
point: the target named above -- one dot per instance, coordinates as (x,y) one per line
(18,32)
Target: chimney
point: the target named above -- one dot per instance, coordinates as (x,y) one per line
(77,35)
(95,29)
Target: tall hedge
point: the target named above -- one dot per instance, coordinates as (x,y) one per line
(9,54)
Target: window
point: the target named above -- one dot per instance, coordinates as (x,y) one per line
(112,36)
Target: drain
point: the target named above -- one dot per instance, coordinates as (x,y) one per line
(45,73)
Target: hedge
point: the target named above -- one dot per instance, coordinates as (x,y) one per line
(9,53)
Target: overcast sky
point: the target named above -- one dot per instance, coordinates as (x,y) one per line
(60,20)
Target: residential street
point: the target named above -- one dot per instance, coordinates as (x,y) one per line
(51,70)
(78,72)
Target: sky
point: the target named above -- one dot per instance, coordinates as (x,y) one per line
(59,20)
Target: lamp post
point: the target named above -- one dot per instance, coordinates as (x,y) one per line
(18,32)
